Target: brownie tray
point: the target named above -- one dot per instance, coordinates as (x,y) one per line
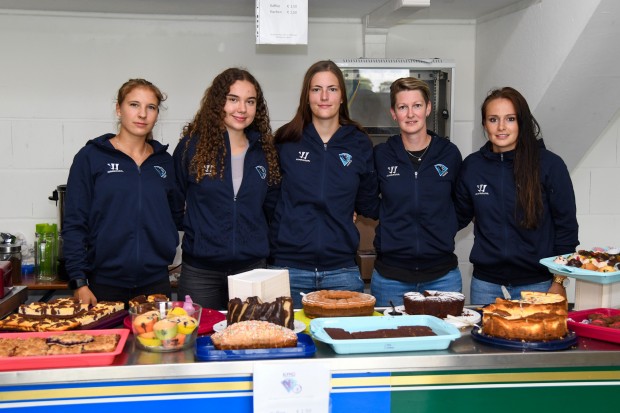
(63,361)
(446,333)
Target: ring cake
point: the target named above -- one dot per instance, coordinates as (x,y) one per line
(535,317)
(336,303)
(440,304)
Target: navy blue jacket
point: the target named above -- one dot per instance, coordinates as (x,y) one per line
(504,252)
(417,222)
(224,232)
(322,185)
(121,220)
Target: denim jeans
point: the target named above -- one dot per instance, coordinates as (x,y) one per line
(483,292)
(386,289)
(304,281)
(206,287)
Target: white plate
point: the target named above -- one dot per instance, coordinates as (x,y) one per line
(468,318)
(299,326)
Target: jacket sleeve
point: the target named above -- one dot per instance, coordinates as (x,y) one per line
(367,198)
(76,229)
(561,198)
(462,201)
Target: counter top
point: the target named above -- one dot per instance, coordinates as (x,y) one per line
(463,354)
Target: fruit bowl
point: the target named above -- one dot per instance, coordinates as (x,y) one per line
(165,326)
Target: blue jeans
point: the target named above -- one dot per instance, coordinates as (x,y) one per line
(304,281)
(483,292)
(386,289)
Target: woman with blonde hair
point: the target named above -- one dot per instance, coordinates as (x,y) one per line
(122,206)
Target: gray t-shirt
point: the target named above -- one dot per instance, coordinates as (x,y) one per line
(237,170)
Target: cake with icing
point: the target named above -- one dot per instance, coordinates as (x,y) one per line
(436,303)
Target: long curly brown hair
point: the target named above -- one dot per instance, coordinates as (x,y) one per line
(527,157)
(208,128)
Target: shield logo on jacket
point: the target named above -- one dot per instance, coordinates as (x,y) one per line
(346,159)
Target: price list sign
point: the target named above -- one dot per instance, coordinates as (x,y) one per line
(281,21)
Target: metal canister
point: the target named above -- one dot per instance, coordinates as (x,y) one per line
(13,253)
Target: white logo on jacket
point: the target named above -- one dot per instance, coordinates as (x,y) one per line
(303,156)
(209,170)
(392,171)
(114,168)
(262,172)
(481,189)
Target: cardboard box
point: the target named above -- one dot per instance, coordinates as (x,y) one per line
(265,284)
(366,262)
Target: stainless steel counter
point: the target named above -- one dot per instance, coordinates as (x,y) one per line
(463,354)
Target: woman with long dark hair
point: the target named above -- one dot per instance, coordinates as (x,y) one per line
(521,199)
(327,176)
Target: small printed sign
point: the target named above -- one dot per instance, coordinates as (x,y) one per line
(281,21)
(285,387)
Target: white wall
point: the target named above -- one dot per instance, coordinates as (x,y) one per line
(60,72)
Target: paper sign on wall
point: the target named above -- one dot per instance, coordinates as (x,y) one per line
(288,387)
(281,21)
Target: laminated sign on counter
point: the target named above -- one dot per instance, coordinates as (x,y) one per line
(282,22)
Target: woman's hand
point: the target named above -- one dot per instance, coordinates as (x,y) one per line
(558,289)
(85,295)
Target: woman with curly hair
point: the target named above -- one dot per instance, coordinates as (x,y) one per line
(327,175)
(227,169)
(521,199)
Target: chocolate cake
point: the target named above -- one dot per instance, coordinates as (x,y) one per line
(436,303)
(399,332)
(278,312)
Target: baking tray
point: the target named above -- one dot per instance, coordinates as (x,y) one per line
(567,342)
(446,333)
(112,320)
(205,351)
(301,316)
(208,318)
(579,274)
(575,319)
(63,361)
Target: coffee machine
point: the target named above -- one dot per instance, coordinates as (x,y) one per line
(58,195)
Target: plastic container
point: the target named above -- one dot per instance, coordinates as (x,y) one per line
(45,252)
(445,334)
(13,253)
(205,351)
(63,361)
(575,323)
(579,274)
(164,326)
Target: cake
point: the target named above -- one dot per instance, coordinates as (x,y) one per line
(336,303)
(254,334)
(280,311)
(536,316)
(398,332)
(436,303)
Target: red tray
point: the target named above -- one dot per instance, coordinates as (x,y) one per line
(208,318)
(63,361)
(588,330)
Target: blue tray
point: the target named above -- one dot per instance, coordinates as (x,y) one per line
(552,345)
(446,333)
(205,351)
(579,274)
